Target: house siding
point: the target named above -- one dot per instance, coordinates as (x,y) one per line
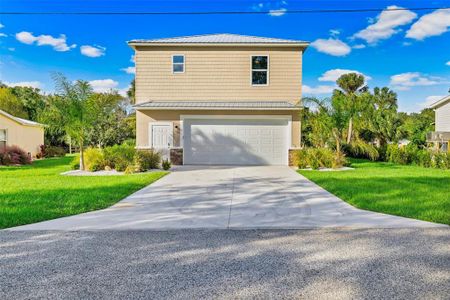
(216,73)
(443,118)
(29,138)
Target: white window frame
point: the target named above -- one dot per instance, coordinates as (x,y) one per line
(184,64)
(159,123)
(6,136)
(260,70)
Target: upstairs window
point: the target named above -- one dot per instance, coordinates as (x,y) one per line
(178,63)
(2,138)
(260,70)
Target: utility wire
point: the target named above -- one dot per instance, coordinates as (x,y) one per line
(304,11)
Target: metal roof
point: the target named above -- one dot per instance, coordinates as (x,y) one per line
(222,38)
(20,120)
(440,102)
(218,105)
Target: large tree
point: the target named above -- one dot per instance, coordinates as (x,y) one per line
(31,98)
(11,104)
(351,95)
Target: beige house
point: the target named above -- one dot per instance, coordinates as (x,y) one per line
(26,134)
(440,138)
(220,98)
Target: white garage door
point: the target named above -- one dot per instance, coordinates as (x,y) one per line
(235,142)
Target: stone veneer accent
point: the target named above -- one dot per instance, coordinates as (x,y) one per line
(176,156)
(291,158)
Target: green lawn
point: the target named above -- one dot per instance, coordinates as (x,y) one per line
(408,191)
(34,193)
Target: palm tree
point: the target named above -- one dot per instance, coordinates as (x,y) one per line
(351,88)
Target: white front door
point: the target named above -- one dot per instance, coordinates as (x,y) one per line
(236,141)
(161,138)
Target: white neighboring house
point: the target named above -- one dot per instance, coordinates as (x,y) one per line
(441,136)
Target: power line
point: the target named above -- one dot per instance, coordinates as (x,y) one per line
(305,11)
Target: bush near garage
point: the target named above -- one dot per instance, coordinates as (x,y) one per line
(316,158)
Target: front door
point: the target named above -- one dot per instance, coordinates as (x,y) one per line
(161,138)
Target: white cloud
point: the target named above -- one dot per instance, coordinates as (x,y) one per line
(405,81)
(133,59)
(334,74)
(129,70)
(386,25)
(359,46)
(1,25)
(335,32)
(435,23)
(3,34)
(103,85)
(448,63)
(432,99)
(33,84)
(58,44)
(320,89)
(331,46)
(277,12)
(11,49)
(92,51)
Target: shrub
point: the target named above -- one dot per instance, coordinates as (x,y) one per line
(51,151)
(397,155)
(411,154)
(75,163)
(360,149)
(166,164)
(14,155)
(119,157)
(319,158)
(146,159)
(130,170)
(94,159)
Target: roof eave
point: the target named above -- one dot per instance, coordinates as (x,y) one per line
(216,108)
(440,102)
(134,44)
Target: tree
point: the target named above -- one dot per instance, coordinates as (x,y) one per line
(415,126)
(131,92)
(11,104)
(351,93)
(72,110)
(32,100)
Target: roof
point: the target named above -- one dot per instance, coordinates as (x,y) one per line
(219,39)
(441,102)
(218,105)
(20,120)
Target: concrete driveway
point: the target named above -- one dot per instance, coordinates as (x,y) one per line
(229,197)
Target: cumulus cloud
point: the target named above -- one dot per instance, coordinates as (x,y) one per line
(331,46)
(405,81)
(317,90)
(432,24)
(359,46)
(92,51)
(3,34)
(277,12)
(386,25)
(58,44)
(129,70)
(33,84)
(103,85)
(448,63)
(334,74)
(1,25)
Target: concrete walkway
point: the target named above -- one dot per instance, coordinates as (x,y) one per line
(229,197)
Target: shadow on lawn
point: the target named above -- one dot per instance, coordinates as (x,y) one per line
(197,264)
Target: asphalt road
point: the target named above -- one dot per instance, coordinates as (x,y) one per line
(194,264)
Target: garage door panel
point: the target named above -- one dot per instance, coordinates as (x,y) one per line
(245,142)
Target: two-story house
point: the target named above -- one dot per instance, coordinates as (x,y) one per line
(441,136)
(220,98)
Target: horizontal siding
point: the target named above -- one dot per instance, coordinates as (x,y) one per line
(443,118)
(216,73)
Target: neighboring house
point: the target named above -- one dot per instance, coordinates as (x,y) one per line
(440,138)
(26,134)
(220,98)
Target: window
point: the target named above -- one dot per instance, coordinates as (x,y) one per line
(260,70)
(2,138)
(178,63)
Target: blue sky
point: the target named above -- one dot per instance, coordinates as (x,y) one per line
(408,51)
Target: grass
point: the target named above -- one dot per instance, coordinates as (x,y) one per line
(38,192)
(407,191)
